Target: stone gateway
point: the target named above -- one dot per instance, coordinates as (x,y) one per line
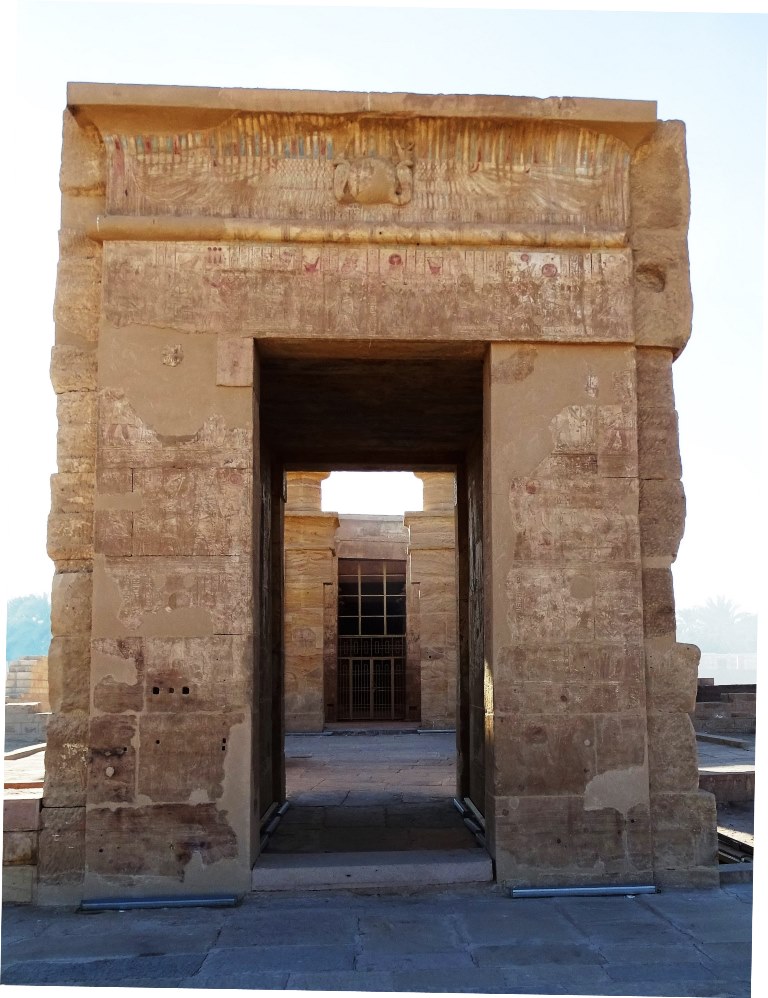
(259,283)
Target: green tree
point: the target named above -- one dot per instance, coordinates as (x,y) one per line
(28,630)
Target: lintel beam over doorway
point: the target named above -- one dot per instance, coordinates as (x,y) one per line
(204,228)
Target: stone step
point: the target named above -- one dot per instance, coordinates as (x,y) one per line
(407,869)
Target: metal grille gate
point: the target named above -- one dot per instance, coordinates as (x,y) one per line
(371,650)
(371,679)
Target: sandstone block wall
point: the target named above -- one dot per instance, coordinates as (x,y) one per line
(547,237)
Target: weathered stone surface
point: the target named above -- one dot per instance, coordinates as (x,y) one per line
(112,759)
(71,492)
(76,327)
(78,213)
(159,839)
(663,303)
(658,177)
(66,756)
(19,884)
(654,378)
(126,440)
(192,512)
(658,602)
(82,158)
(70,536)
(197,674)
(19,849)
(72,369)
(234,361)
(113,532)
(662,516)
(69,673)
(673,761)
(78,284)
(658,444)
(62,845)
(21,814)
(671,671)
(684,837)
(71,595)
(182,757)
(548,840)
(272,290)
(159,597)
(118,674)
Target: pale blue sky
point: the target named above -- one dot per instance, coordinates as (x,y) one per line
(707,69)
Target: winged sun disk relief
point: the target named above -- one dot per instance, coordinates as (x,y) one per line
(373,179)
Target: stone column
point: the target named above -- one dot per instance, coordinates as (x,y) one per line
(310,609)
(432,568)
(567,789)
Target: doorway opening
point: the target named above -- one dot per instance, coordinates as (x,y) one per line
(360,639)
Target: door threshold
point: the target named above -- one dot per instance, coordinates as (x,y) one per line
(338,870)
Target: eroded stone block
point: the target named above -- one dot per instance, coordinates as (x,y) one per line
(112,759)
(83,162)
(182,757)
(671,672)
(66,756)
(658,602)
(663,305)
(69,673)
(684,837)
(19,849)
(189,675)
(72,492)
(654,378)
(71,594)
(548,840)
(113,532)
(658,178)
(61,845)
(192,512)
(662,516)
(158,839)
(70,536)
(118,674)
(672,756)
(73,369)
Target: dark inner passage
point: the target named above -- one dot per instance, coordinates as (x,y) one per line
(422,410)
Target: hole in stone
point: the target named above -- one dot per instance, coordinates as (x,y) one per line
(185,690)
(170,689)
(155,690)
(157,741)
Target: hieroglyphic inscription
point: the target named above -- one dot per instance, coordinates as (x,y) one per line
(271,166)
(375,291)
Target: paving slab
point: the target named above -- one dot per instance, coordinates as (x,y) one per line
(149,970)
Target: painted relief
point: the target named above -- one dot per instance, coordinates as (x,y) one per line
(370,291)
(323,168)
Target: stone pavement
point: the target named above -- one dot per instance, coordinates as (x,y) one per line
(363,793)
(458,940)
